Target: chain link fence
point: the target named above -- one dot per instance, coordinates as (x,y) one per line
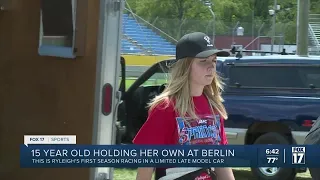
(173,29)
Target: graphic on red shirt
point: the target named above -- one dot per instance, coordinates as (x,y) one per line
(205,130)
(203,176)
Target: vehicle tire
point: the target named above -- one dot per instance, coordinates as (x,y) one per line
(271,173)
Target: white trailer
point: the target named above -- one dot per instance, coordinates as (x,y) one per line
(107,96)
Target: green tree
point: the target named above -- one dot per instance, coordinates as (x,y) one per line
(177,17)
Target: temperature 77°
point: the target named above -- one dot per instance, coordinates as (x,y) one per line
(272,159)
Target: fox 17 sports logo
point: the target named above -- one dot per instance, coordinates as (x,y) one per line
(298,155)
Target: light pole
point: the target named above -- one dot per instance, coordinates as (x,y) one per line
(259,46)
(240,31)
(233,31)
(272,13)
(209,5)
(302,27)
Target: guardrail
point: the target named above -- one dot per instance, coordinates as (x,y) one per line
(137,71)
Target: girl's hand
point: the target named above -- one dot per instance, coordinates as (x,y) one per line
(224,174)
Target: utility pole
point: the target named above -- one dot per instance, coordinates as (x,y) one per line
(214,25)
(273,25)
(209,5)
(302,27)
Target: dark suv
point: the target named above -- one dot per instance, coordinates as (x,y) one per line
(269,99)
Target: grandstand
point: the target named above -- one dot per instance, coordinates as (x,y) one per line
(139,39)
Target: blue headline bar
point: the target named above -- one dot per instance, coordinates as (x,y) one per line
(51,156)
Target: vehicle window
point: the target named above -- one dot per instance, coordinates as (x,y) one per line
(310,76)
(219,69)
(278,77)
(219,66)
(57,26)
(156,79)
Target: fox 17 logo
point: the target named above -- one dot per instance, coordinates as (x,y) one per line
(298,155)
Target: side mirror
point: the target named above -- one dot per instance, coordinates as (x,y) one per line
(233,50)
(284,52)
(239,55)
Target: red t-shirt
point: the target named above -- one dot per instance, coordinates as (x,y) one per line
(165,127)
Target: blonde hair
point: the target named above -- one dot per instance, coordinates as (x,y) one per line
(178,90)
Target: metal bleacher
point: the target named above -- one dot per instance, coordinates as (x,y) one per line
(128,47)
(314,33)
(139,39)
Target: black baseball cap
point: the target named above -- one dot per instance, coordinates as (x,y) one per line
(197,45)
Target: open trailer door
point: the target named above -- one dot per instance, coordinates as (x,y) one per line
(107,95)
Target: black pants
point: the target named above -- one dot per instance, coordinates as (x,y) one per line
(315,173)
(159,173)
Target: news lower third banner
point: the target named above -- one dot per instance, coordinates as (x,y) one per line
(130,156)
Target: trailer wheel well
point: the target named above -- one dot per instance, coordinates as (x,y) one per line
(255,130)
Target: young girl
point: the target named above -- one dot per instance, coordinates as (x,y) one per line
(191,99)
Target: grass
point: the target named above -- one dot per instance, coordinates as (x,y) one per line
(240,174)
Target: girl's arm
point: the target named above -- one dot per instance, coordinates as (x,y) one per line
(144,173)
(157,129)
(224,173)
